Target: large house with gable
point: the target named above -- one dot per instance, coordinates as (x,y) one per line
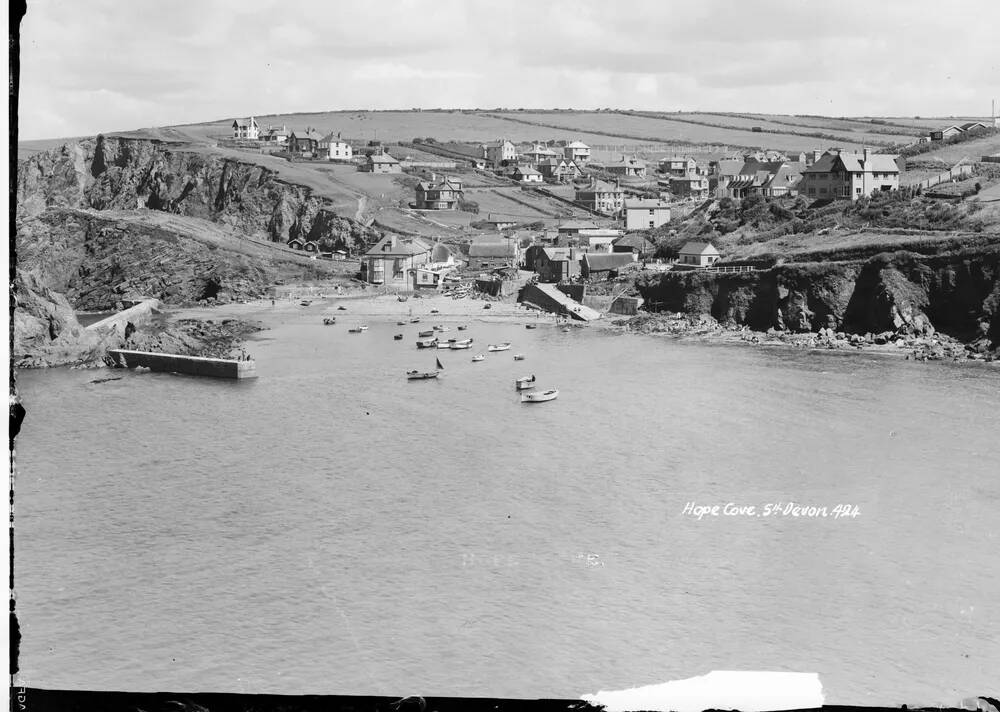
(840,174)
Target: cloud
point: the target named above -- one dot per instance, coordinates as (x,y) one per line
(157,63)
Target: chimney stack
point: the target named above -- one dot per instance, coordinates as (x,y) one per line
(816,156)
(868,154)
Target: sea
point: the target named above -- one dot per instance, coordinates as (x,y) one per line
(681,507)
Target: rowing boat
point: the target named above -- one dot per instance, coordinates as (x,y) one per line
(539,397)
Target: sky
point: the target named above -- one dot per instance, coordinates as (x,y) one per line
(89,66)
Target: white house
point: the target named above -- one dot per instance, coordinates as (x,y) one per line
(499,151)
(699,254)
(526,174)
(246,129)
(336,149)
(576,151)
(645,214)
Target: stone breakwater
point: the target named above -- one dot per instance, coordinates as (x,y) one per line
(936,347)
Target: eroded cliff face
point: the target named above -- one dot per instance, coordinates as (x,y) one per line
(128,174)
(900,292)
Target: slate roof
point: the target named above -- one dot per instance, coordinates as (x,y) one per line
(699,248)
(854,163)
(404,247)
(576,144)
(635,240)
(644,204)
(601,261)
(381,158)
(491,249)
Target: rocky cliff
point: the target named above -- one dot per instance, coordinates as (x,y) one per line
(127,174)
(899,292)
(102,220)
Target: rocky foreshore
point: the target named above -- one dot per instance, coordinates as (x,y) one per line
(932,347)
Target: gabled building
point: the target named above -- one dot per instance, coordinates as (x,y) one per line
(692,185)
(698,254)
(645,214)
(602,197)
(274,136)
(538,153)
(576,152)
(850,175)
(435,194)
(392,259)
(555,264)
(381,163)
(627,167)
(558,170)
(635,243)
(526,174)
(246,129)
(679,166)
(597,266)
(498,152)
(945,133)
(335,148)
(494,255)
(304,143)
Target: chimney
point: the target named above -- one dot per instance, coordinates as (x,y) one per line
(868,154)
(816,156)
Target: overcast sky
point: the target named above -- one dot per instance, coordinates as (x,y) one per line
(103,65)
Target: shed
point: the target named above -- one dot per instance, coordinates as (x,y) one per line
(699,254)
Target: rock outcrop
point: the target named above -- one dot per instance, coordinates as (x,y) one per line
(126,174)
(900,293)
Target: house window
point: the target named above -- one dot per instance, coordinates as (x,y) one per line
(652,223)
(858,191)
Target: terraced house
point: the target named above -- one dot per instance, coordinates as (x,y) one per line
(839,175)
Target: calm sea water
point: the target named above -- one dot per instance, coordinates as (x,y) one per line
(332,528)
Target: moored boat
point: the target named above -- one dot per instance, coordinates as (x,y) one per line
(443,345)
(420,375)
(540,396)
(415,321)
(355,330)
(459,345)
(328,320)
(463,327)
(426,343)
(525,382)
(518,357)
(531,326)
(499,347)
(400,323)
(479,357)
(425,334)
(398,337)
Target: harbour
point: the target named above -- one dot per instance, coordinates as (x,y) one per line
(595,484)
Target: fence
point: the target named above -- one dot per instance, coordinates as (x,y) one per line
(953,173)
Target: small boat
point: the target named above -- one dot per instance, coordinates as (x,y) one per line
(415,321)
(478,357)
(499,347)
(518,357)
(443,345)
(463,327)
(459,345)
(531,326)
(566,329)
(425,334)
(434,311)
(486,306)
(400,298)
(363,327)
(355,330)
(398,337)
(342,308)
(460,342)
(420,375)
(441,328)
(328,320)
(539,397)
(400,323)
(305,302)
(426,343)
(525,382)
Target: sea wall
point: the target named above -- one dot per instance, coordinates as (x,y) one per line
(899,292)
